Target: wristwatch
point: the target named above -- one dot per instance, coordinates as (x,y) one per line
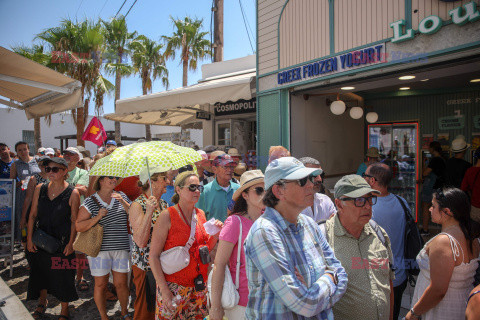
(334,275)
(419,317)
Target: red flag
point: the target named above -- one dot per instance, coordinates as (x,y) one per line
(95,132)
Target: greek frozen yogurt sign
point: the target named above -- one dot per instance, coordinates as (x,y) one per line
(431,24)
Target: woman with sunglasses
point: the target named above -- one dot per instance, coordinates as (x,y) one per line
(109,209)
(447,262)
(54,210)
(187,285)
(143,215)
(248,207)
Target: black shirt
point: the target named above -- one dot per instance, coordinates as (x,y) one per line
(456,169)
(438,166)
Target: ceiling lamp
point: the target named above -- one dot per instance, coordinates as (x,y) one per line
(372,117)
(356,112)
(347,88)
(163,114)
(406,77)
(338,107)
(405,88)
(475,80)
(425,80)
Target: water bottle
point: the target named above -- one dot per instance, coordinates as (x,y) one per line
(175,302)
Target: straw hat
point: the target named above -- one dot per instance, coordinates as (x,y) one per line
(240,169)
(459,145)
(234,152)
(372,152)
(247,180)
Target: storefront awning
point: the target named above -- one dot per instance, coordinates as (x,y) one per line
(38,90)
(178,107)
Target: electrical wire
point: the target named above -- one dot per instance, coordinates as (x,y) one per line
(120,8)
(245,23)
(102,8)
(78,8)
(130,8)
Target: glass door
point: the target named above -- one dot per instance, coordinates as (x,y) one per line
(398,147)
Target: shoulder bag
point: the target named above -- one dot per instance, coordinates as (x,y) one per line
(178,258)
(90,241)
(230,296)
(46,242)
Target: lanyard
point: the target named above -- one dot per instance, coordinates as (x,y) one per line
(184,217)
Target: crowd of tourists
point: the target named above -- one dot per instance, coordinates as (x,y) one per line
(218,239)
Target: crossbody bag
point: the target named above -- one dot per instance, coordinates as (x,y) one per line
(178,258)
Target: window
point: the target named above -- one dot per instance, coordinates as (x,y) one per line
(223,130)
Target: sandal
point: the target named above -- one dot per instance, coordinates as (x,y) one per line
(39,314)
(83,285)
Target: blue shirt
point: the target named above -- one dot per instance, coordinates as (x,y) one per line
(214,200)
(361,169)
(389,214)
(5,169)
(274,247)
(167,196)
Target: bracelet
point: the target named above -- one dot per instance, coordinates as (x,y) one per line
(415,315)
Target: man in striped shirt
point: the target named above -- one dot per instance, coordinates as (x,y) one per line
(292,271)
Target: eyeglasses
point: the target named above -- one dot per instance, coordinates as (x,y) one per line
(111,178)
(360,202)
(302,182)
(368,176)
(195,187)
(53,169)
(259,190)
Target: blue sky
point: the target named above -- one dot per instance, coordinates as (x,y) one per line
(21,20)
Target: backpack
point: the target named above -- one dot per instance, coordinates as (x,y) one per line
(413,243)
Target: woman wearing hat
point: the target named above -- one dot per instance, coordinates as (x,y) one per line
(109,209)
(143,215)
(248,207)
(182,294)
(55,206)
(471,185)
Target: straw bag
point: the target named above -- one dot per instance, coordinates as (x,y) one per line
(90,241)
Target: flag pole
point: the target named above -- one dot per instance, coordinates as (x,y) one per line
(149,180)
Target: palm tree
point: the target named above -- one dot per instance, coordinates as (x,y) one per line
(78,41)
(192,42)
(149,63)
(117,39)
(37,54)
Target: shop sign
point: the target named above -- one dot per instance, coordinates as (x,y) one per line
(431,24)
(450,123)
(476,122)
(336,64)
(236,107)
(203,115)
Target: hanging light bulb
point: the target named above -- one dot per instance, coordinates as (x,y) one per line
(372,117)
(338,107)
(356,112)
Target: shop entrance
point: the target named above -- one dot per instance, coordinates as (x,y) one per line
(398,147)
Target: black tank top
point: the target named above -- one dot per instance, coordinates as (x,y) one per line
(54,216)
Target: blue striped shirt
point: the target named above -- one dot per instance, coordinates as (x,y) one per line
(274,248)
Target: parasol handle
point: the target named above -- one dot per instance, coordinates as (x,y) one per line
(149,181)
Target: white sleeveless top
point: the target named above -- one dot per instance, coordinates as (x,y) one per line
(453,305)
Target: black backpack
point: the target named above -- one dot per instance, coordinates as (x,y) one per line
(413,243)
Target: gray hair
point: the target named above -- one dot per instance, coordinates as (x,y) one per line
(309,160)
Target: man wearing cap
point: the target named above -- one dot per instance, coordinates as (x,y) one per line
(456,165)
(364,250)
(49,152)
(372,156)
(201,165)
(217,194)
(292,271)
(41,151)
(323,207)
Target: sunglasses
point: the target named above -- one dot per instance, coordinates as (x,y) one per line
(53,169)
(111,177)
(302,182)
(195,187)
(368,176)
(361,201)
(259,190)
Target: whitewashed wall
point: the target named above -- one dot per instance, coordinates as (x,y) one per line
(12,122)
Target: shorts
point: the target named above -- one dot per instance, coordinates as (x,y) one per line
(106,261)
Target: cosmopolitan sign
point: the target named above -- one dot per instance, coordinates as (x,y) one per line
(431,24)
(336,64)
(236,107)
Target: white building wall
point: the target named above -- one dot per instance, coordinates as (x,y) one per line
(13,121)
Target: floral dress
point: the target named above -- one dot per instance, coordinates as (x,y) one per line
(140,255)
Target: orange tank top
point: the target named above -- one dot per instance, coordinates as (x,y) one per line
(178,235)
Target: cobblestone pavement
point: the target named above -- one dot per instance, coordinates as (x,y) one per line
(84,308)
